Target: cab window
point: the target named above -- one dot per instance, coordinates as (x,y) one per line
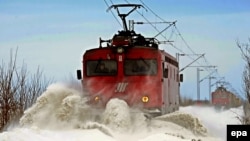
(101,67)
(140,66)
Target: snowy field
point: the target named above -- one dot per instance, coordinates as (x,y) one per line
(60,113)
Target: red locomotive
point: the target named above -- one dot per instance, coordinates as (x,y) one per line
(223,98)
(132,68)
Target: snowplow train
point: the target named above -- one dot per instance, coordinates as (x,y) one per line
(131,67)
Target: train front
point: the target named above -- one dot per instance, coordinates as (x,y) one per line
(131,72)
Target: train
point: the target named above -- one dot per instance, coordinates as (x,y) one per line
(221,97)
(131,67)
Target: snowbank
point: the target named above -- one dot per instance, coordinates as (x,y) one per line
(215,121)
(185,120)
(120,118)
(59,107)
(117,115)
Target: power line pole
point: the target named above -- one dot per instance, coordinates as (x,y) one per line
(209,88)
(198,83)
(198,79)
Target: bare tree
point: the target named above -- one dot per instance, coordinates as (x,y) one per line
(245,51)
(18,90)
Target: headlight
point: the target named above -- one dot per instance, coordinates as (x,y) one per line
(120,50)
(97,98)
(145,99)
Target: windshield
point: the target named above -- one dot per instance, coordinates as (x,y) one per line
(101,67)
(140,66)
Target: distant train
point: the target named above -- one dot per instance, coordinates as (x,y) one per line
(223,98)
(133,68)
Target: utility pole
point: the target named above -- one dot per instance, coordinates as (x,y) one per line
(198,79)
(209,88)
(209,77)
(198,83)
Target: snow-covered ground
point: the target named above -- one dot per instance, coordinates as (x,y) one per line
(215,121)
(61,113)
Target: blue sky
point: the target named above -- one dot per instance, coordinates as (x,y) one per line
(53,34)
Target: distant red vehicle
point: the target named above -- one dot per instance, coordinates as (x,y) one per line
(132,68)
(223,98)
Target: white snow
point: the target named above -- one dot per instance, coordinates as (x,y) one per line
(117,115)
(215,121)
(35,134)
(185,120)
(59,107)
(61,113)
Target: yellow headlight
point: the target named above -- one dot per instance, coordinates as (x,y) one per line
(97,98)
(145,99)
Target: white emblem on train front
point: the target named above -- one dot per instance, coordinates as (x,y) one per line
(121,87)
(120,58)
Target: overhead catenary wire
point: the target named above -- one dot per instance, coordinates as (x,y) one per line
(164,36)
(155,27)
(176,31)
(192,51)
(185,42)
(179,34)
(160,32)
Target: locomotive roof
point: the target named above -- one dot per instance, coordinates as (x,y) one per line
(128,37)
(221,89)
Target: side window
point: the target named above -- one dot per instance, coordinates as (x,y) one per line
(164,71)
